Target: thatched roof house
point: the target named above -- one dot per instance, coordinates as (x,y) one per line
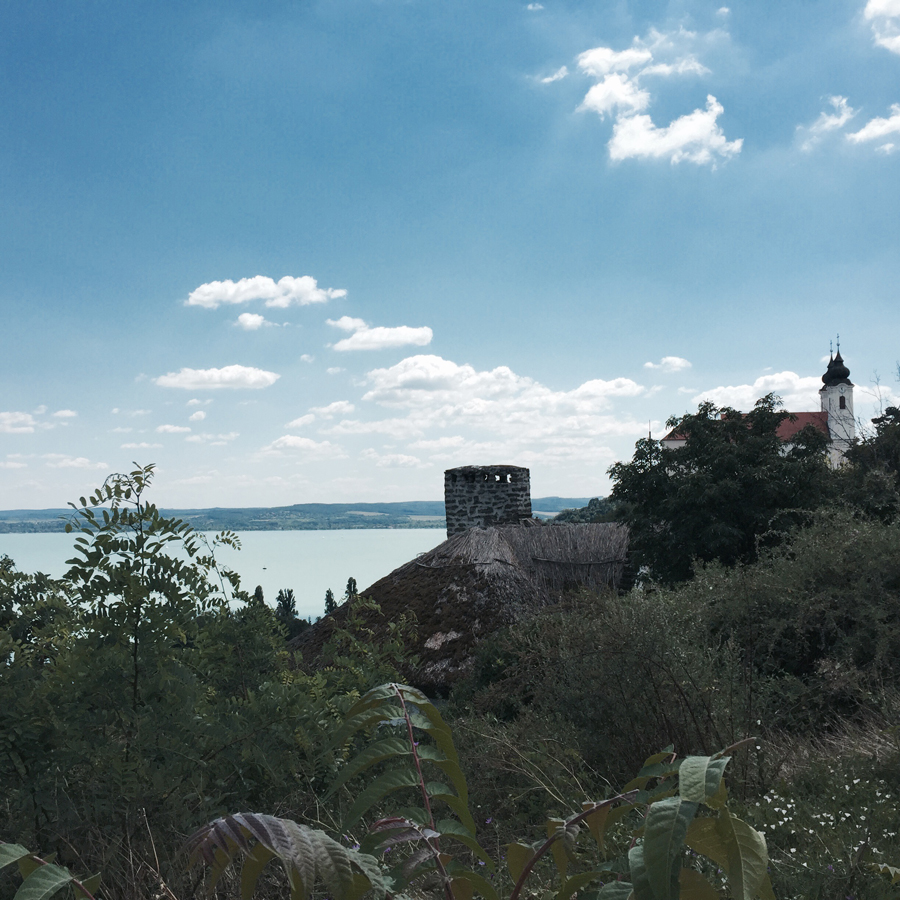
(478,581)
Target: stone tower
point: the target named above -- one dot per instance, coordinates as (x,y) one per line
(837,401)
(478,496)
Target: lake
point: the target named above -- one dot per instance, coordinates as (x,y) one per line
(309,562)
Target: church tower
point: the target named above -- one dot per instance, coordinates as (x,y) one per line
(837,402)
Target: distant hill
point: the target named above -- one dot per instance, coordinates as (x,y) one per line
(299,517)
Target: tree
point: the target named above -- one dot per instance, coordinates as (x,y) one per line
(351,591)
(286,613)
(732,487)
(258,597)
(330,605)
(872,480)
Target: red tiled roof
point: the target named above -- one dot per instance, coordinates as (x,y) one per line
(787,429)
(798,421)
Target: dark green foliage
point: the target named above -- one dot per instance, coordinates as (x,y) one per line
(258,596)
(330,603)
(871,483)
(286,613)
(599,509)
(732,488)
(351,592)
(143,694)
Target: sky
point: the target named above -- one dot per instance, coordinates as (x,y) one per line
(314,251)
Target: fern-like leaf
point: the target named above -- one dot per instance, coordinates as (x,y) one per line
(307,855)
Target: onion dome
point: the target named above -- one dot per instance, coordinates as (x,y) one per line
(837,372)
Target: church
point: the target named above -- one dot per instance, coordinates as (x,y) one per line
(835,419)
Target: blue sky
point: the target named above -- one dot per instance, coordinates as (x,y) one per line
(320,251)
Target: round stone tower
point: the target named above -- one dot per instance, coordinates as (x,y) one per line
(478,496)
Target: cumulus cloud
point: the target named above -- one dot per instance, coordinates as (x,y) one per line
(172,429)
(669,364)
(695,137)
(305,357)
(12,464)
(65,414)
(615,93)
(291,443)
(195,402)
(334,370)
(287,291)
(394,460)
(212,379)
(214,440)
(198,416)
(308,419)
(620,92)
(534,7)
(558,75)
(251,321)
(338,408)
(17,423)
(63,461)
(363,337)
(827,121)
(885,18)
(876,129)
(799,393)
(143,445)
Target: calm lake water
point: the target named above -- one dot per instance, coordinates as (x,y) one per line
(309,562)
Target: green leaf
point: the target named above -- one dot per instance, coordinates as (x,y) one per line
(459,807)
(9,853)
(456,831)
(695,887)
(664,832)
(884,869)
(43,882)
(577,883)
(738,849)
(384,784)
(557,828)
(596,823)
(462,889)
(255,861)
(640,882)
(91,884)
(374,753)
(481,885)
(699,777)
(517,857)
(615,890)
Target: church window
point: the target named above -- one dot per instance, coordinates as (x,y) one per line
(842,403)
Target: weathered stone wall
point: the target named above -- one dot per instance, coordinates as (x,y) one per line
(486,495)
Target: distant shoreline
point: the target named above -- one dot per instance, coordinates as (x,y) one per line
(299,517)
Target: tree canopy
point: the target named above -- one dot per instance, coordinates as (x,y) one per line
(733,486)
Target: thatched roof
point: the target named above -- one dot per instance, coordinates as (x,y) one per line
(478,581)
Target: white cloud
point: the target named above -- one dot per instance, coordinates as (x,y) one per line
(308,419)
(65,414)
(365,338)
(878,128)
(534,7)
(306,358)
(40,410)
(143,445)
(62,461)
(172,429)
(213,379)
(723,11)
(251,321)
(558,75)
(198,416)
(886,149)
(288,291)
(885,18)
(196,402)
(615,92)
(394,460)
(307,446)
(214,440)
(338,408)
(695,137)
(602,60)
(826,122)
(334,370)
(16,423)
(798,393)
(669,364)
(13,465)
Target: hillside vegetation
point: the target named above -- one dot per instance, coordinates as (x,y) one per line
(142,697)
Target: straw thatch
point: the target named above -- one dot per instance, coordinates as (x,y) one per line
(480,580)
